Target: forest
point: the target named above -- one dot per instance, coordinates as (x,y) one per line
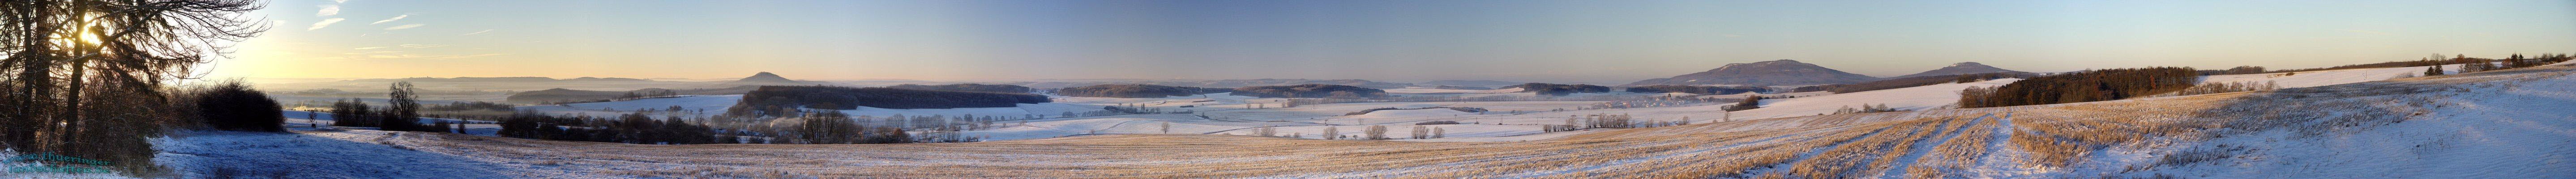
(1311,91)
(969,87)
(1136,91)
(1560,89)
(2084,86)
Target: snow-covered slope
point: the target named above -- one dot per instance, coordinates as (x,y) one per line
(2497,124)
(2328,77)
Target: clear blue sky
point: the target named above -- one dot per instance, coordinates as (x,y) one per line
(1551,41)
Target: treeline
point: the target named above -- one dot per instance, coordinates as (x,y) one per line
(970,87)
(782,100)
(2086,86)
(1559,89)
(1311,91)
(470,106)
(2513,61)
(1136,91)
(632,128)
(401,113)
(833,127)
(1866,108)
(1707,90)
(1460,87)
(2228,87)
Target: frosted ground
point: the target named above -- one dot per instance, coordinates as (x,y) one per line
(2498,124)
(1223,113)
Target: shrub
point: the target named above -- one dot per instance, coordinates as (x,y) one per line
(1136,91)
(232,105)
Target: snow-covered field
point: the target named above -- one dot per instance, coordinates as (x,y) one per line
(2359,123)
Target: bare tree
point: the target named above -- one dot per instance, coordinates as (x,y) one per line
(1332,133)
(1420,132)
(81,75)
(1436,132)
(1376,132)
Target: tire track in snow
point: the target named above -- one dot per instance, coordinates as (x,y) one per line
(1896,169)
(1703,149)
(1811,153)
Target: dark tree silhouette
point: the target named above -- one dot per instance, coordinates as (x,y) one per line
(82,77)
(232,105)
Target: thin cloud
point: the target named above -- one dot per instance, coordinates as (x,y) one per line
(392,19)
(324,23)
(339,1)
(475,32)
(364,48)
(401,27)
(328,10)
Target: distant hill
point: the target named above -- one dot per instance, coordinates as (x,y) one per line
(1474,83)
(1960,68)
(603,79)
(783,100)
(765,77)
(493,79)
(564,95)
(769,79)
(1221,83)
(1766,73)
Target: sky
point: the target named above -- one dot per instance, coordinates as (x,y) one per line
(1403,41)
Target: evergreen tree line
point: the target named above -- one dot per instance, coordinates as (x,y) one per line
(2238,70)
(2085,86)
(969,87)
(1750,102)
(1312,91)
(1559,89)
(1136,91)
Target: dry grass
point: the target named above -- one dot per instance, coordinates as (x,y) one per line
(1829,146)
